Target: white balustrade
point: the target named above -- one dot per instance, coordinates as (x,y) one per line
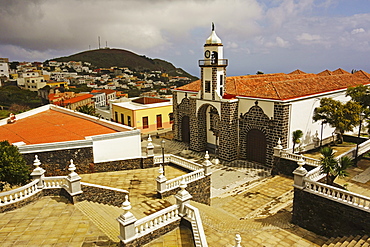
(19,194)
(315,174)
(55,182)
(180,161)
(190,177)
(192,215)
(157,220)
(296,157)
(339,195)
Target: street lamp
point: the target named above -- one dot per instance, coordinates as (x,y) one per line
(162,145)
(362,116)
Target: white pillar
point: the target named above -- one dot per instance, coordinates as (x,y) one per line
(73,180)
(126,222)
(238,240)
(278,149)
(150,147)
(161,180)
(38,173)
(182,197)
(207,165)
(299,174)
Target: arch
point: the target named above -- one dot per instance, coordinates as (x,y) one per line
(256,145)
(208,119)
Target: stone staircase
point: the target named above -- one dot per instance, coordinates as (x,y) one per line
(103,216)
(348,241)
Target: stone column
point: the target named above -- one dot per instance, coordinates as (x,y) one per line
(126,223)
(38,173)
(299,174)
(150,147)
(207,165)
(238,240)
(182,198)
(73,181)
(161,181)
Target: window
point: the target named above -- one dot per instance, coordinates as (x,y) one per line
(159,121)
(207,86)
(116,117)
(122,118)
(221,79)
(129,121)
(171,117)
(145,123)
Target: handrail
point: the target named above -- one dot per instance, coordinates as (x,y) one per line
(54,182)
(180,161)
(192,214)
(19,194)
(315,174)
(105,187)
(190,177)
(339,195)
(157,220)
(297,157)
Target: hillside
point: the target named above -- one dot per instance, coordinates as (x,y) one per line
(106,58)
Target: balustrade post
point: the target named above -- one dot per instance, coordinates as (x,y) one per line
(238,240)
(161,181)
(150,147)
(207,165)
(38,173)
(182,198)
(278,149)
(126,223)
(73,181)
(299,174)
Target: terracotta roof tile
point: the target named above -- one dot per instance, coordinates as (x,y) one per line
(282,86)
(51,126)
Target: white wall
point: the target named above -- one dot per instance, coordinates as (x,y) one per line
(246,104)
(118,146)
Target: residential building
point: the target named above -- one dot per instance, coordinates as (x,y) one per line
(145,113)
(4,67)
(70,100)
(109,94)
(244,117)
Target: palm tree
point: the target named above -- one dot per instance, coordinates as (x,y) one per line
(333,168)
(297,135)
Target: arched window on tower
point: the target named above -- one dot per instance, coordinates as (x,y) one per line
(214,57)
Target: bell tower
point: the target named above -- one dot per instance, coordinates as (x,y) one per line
(213,68)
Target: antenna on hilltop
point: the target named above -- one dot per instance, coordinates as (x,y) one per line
(99,41)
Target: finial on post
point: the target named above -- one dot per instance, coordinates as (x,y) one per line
(238,240)
(213,26)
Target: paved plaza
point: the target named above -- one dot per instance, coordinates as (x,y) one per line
(258,210)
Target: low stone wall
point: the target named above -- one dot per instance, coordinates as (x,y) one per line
(327,217)
(153,235)
(199,189)
(56,162)
(101,195)
(286,167)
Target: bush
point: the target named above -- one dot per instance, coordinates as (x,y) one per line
(13,167)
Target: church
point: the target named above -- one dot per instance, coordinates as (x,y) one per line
(243,117)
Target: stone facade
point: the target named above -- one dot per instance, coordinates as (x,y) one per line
(327,217)
(101,195)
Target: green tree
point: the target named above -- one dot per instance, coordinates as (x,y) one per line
(341,116)
(87,109)
(13,167)
(297,135)
(333,168)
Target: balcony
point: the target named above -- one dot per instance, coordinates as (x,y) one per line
(213,63)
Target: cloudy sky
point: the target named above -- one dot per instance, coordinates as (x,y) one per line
(267,35)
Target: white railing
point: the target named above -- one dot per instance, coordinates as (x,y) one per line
(157,220)
(364,147)
(339,195)
(190,177)
(105,187)
(180,161)
(19,194)
(54,182)
(297,157)
(193,216)
(315,174)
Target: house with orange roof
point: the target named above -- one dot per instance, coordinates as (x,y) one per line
(110,94)
(57,134)
(244,117)
(73,102)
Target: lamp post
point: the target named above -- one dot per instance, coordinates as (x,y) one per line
(162,145)
(362,116)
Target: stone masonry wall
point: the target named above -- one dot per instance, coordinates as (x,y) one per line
(199,189)
(101,195)
(327,217)
(286,167)
(228,148)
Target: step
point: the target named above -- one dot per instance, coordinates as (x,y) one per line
(362,241)
(347,241)
(103,216)
(354,241)
(340,242)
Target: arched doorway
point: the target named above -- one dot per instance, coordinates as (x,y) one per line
(185,129)
(256,146)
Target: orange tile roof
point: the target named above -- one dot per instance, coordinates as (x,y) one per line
(282,86)
(51,126)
